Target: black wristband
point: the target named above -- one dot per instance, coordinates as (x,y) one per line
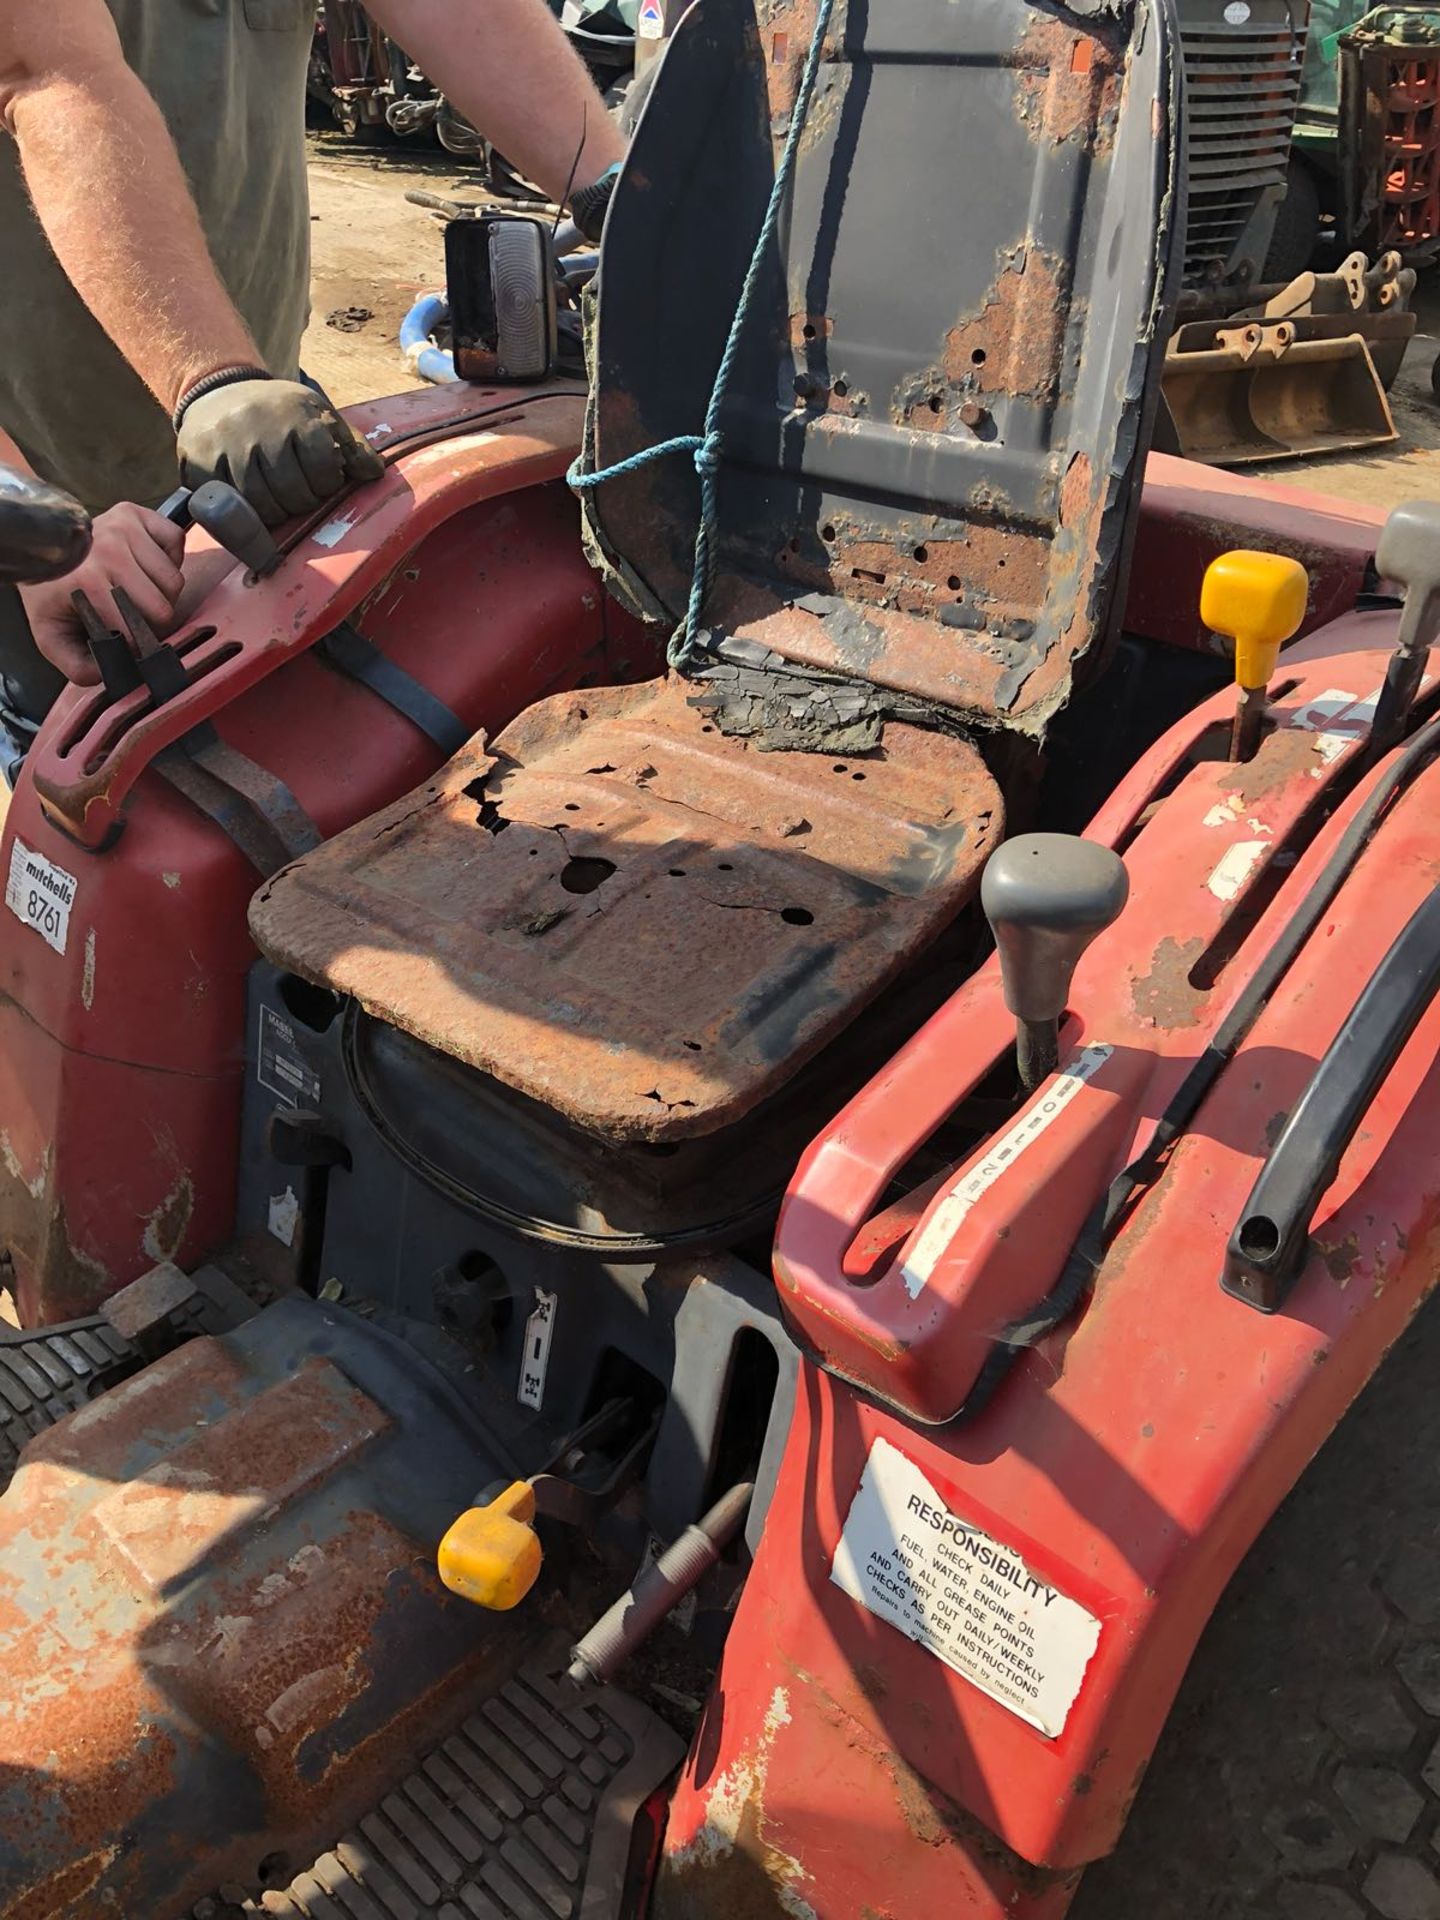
(212,383)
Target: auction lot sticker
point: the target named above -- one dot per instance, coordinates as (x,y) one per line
(966,1597)
(40,894)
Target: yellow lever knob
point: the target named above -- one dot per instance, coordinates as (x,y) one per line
(491,1554)
(1258,601)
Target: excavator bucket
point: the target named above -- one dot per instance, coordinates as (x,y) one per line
(1263,393)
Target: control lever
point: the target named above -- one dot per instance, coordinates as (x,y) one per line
(1257,600)
(43,532)
(158,665)
(108,649)
(1046,896)
(1408,551)
(231,522)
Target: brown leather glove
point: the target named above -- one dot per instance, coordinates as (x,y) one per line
(287,450)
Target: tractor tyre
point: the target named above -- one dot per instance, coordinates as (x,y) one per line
(1297,225)
(1298,1776)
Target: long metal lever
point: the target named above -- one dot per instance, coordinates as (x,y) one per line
(1267,1249)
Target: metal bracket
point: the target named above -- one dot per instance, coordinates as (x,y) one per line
(349,652)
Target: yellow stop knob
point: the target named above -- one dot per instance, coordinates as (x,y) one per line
(1258,601)
(491,1554)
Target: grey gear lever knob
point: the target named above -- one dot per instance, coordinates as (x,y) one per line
(1409,551)
(232,523)
(1046,896)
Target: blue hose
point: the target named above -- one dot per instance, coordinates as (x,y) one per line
(432,363)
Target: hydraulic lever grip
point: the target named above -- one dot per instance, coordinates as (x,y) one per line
(1267,1249)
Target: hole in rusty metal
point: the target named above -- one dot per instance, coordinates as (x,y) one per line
(977,358)
(725,866)
(840,767)
(857,776)
(585,873)
(867,573)
(922,554)
(692,1046)
(840,389)
(677,873)
(605,769)
(935,403)
(807,331)
(707,728)
(827,533)
(953,583)
(797,916)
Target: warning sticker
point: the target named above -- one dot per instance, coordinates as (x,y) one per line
(281,1066)
(651,23)
(969,1599)
(41,894)
(535,1361)
(945,1222)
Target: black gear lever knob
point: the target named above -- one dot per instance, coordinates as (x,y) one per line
(1046,896)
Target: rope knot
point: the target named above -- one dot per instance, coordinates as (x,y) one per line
(707,456)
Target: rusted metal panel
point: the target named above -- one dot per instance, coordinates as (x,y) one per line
(220,1630)
(933,419)
(632,917)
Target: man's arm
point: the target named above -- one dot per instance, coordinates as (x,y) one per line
(109,191)
(510,70)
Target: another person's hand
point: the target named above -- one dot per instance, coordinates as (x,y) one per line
(279,442)
(132,548)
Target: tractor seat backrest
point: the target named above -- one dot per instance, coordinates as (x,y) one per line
(933,439)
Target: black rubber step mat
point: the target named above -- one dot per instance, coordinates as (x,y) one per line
(46,1374)
(526,1813)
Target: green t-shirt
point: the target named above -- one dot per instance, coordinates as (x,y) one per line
(229,77)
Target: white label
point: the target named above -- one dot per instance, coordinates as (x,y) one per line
(1237,13)
(651,24)
(944,1223)
(40,894)
(281,1066)
(908,1557)
(1235,867)
(284,1216)
(535,1362)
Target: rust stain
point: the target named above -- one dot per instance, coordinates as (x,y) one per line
(1069,81)
(637,834)
(1014,345)
(1340,1258)
(1286,754)
(1164,997)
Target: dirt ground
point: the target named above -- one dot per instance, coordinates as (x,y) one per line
(374,253)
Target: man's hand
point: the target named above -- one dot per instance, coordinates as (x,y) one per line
(284,447)
(132,548)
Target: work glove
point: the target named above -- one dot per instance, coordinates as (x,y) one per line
(283,446)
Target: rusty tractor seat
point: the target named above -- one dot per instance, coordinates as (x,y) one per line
(647,906)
